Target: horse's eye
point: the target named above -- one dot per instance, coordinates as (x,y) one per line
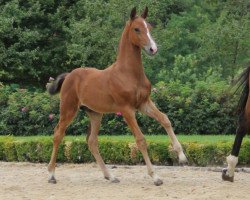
(137,30)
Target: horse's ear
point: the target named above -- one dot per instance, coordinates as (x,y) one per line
(133,13)
(145,13)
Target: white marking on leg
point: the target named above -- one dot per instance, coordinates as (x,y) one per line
(52,178)
(155,177)
(178,149)
(232,162)
(175,143)
(151,110)
(51,174)
(182,157)
(113,179)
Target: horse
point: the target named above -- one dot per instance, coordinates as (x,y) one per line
(122,87)
(243,126)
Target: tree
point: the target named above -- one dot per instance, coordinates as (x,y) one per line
(32,40)
(39,39)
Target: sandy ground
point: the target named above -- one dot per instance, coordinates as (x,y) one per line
(85,181)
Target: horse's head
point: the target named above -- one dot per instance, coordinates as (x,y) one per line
(139,32)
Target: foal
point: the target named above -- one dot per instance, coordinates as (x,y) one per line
(122,87)
(243,126)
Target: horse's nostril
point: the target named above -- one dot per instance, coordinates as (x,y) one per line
(153,50)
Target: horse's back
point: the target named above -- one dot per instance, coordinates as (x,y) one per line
(82,76)
(90,85)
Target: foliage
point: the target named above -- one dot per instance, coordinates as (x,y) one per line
(39,39)
(204,108)
(116,151)
(202,47)
(24,111)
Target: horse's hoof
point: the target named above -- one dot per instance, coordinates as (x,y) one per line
(225,177)
(183,162)
(158,182)
(52,180)
(115,180)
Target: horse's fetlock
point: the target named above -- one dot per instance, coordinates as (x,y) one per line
(151,173)
(232,160)
(177,148)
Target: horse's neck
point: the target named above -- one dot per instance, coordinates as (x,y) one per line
(129,56)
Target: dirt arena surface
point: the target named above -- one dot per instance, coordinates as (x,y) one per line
(85,181)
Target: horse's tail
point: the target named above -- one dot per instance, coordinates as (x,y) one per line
(243,83)
(55,86)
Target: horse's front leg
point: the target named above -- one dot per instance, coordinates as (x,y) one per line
(151,110)
(130,119)
(232,159)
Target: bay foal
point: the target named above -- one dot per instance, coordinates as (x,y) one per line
(243,126)
(122,87)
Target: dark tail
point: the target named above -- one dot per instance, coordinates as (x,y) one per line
(243,85)
(55,86)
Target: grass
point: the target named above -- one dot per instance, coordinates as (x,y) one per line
(207,139)
(165,138)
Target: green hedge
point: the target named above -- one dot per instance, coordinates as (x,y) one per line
(117,152)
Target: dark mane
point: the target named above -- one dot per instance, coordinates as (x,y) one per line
(243,85)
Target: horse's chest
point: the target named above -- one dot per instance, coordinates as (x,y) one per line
(130,92)
(142,94)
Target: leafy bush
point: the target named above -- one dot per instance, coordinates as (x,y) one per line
(245,153)
(9,150)
(116,152)
(27,113)
(77,151)
(205,108)
(193,109)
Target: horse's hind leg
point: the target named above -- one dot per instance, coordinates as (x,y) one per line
(67,113)
(151,110)
(92,140)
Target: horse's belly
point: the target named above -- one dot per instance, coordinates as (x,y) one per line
(98,100)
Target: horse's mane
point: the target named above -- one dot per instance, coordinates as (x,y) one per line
(243,85)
